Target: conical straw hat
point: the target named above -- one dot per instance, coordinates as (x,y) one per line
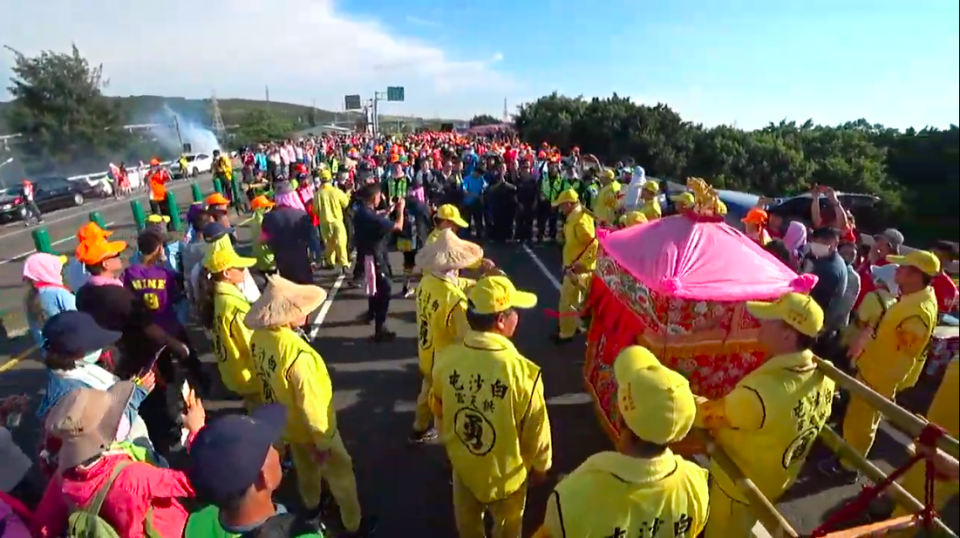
(283,303)
(448,253)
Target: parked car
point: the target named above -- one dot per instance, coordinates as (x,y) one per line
(197,163)
(50,193)
(798,207)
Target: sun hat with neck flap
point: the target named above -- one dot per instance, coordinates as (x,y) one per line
(86,421)
(283,303)
(448,253)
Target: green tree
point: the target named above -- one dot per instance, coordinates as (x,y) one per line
(58,105)
(259,126)
(483,119)
(914,173)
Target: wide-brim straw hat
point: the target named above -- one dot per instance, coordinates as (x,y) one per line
(447,253)
(283,302)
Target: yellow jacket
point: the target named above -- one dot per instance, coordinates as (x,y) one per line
(651,209)
(293,373)
(441,317)
(329,203)
(231,340)
(662,496)
(489,401)
(769,422)
(605,204)
(579,239)
(893,360)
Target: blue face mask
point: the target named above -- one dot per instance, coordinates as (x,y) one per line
(92,358)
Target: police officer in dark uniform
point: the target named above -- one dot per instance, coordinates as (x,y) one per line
(373,229)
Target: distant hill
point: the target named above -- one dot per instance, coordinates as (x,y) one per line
(145,108)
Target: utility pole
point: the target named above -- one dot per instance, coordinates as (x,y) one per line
(176,123)
(267,92)
(506,116)
(217,119)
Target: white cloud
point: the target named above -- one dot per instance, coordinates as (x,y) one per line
(301,49)
(421,22)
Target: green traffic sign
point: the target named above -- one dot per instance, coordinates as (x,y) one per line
(395,93)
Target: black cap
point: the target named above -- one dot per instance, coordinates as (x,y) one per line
(75,334)
(214,231)
(227,454)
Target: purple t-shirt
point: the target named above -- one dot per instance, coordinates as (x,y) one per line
(157,287)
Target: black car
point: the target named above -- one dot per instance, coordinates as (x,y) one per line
(50,193)
(798,207)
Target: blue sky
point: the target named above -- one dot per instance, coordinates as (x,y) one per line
(746,62)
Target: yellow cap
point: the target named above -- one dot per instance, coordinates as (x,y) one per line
(796,310)
(451,213)
(325,175)
(493,294)
(219,260)
(567,196)
(656,403)
(608,174)
(684,200)
(651,186)
(157,219)
(921,259)
(631,218)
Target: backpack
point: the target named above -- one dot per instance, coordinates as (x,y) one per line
(287,526)
(87,523)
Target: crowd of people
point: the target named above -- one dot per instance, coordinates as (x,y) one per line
(125,441)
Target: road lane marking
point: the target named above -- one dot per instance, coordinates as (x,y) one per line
(14,361)
(758,530)
(543,268)
(325,307)
(55,243)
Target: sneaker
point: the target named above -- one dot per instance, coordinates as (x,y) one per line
(383,337)
(834,470)
(557,339)
(368,526)
(417,438)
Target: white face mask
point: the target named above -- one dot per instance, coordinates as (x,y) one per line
(819,250)
(249,288)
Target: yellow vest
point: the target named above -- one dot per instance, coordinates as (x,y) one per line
(441,318)
(231,340)
(894,358)
(651,209)
(492,413)
(579,239)
(794,403)
(605,205)
(868,315)
(292,373)
(329,203)
(611,494)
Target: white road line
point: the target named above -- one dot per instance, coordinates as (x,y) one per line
(325,307)
(55,243)
(543,268)
(758,530)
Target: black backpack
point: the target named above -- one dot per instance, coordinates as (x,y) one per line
(287,526)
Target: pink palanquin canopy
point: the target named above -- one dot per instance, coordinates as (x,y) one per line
(701,258)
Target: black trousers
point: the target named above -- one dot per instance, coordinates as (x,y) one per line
(474,216)
(526,214)
(504,213)
(546,220)
(379,304)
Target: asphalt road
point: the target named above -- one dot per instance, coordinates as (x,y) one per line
(376,387)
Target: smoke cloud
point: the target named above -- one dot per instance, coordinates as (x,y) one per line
(192,131)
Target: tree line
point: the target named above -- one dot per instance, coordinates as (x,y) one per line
(915,173)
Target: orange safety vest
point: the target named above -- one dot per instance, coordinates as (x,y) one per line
(158,189)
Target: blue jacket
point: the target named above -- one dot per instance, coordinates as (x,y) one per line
(59,386)
(473,186)
(52,301)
